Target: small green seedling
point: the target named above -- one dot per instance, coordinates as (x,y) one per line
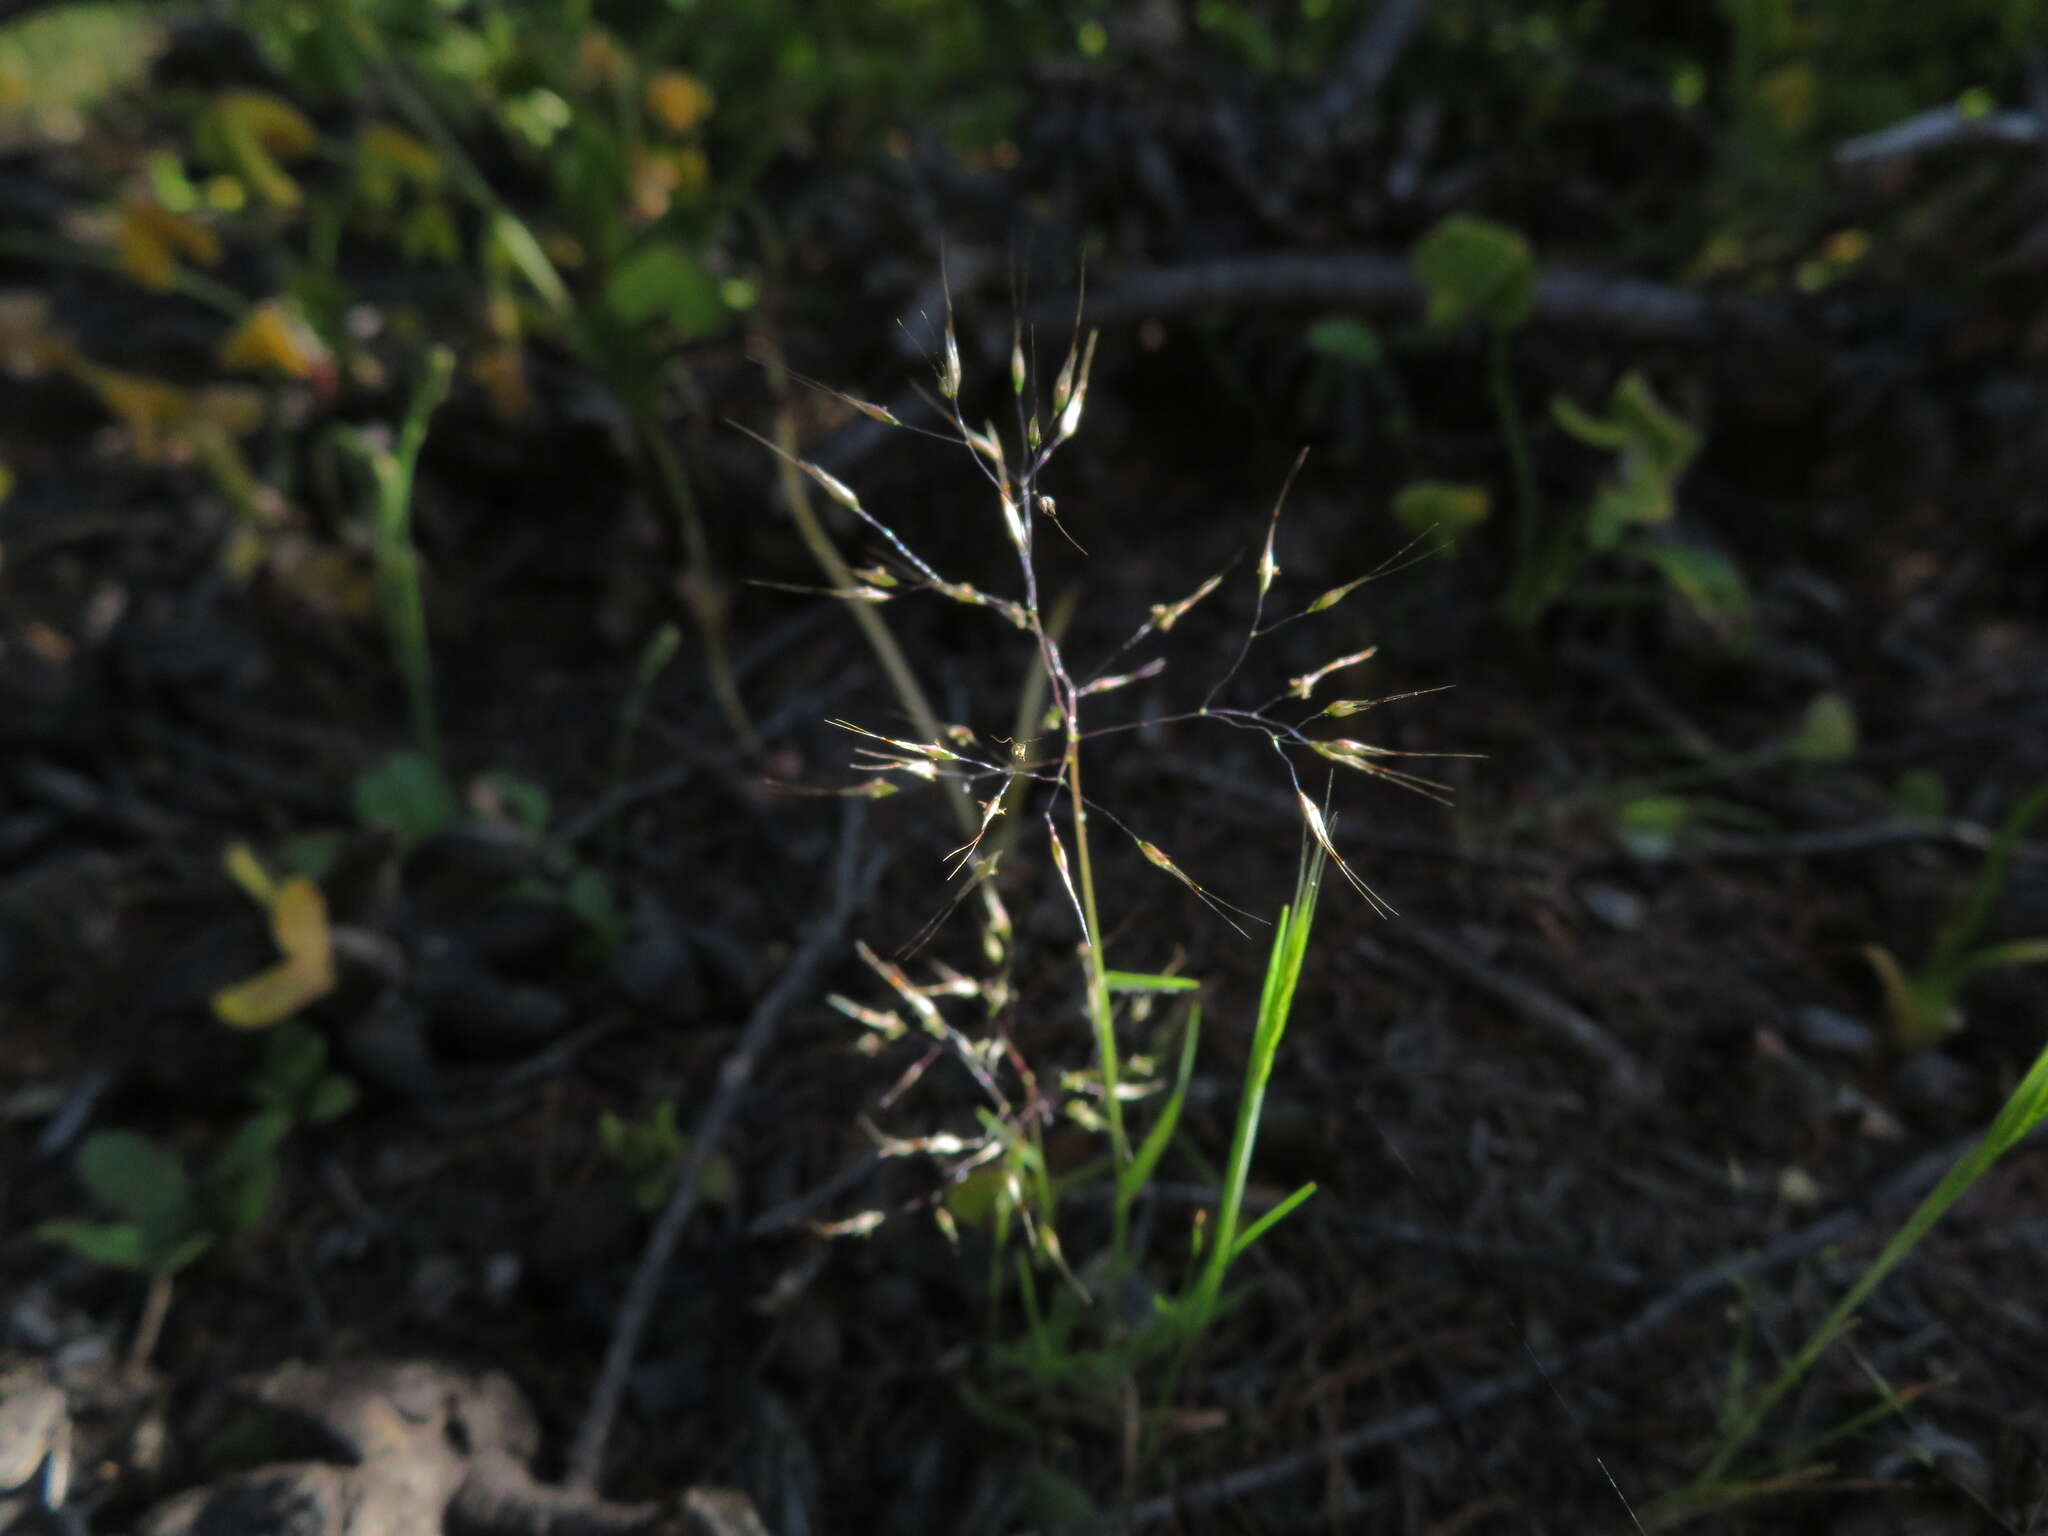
(162,1217)
(1923,1004)
(393,469)
(1476,269)
(159,1225)
(293,1080)
(651,1154)
(1442,510)
(1652,448)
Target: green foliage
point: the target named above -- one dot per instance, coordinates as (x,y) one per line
(293,1079)
(400,592)
(1648,826)
(1443,509)
(1347,339)
(652,1153)
(160,1229)
(2024,1109)
(1476,269)
(408,796)
(58,64)
(1827,731)
(1651,448)
(1098,1332)
(1922,1004)
(165,1217)
(664,280)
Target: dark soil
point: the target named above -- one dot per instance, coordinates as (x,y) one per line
(1488,1198)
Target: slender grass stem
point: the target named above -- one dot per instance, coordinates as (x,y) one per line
(703,594)
(1528,504)
(1099,1013)
(399,586)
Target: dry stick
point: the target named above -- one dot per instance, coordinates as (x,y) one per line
(1702,1284)
(852,878)
(1380,282)
(1374,282)
(1630,1074)
(1370,60)
(156,1306)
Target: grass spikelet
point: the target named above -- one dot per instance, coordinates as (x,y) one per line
(949,367)
(887,1023)
(1321,833)
(1268,566)
(1166,615)
(1151,668)
(1157,858)
(1069,412)
(1301,687)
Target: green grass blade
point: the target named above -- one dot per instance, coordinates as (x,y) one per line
(1277,1214)
(1143,981)
(1139,1173)
(1961,930)
(2025,1109)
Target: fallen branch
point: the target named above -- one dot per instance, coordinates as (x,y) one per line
(1377,283)
(1380,282)
(852,878)
(1941,128)
(1370,60)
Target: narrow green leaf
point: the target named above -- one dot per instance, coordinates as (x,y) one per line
(1142,981)
(333,1096)
(1663,436)
(1269,1220)
(1593,431)
(1711,584)
(113,1244)
(1443,507)
(1156,1140)
(1649,825)
(1347,339)
(1827,733)
(1960,932)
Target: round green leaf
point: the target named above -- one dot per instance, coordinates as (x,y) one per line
(1476,269)
(664,281)
(129,1173)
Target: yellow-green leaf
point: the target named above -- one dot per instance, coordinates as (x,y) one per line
(247,871)
(272,338)
(677,100)
(269,996)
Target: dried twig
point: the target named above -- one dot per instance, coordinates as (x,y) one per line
(1374,282)
(852,878)
(1631,1075)
(1370,60)
(1381,282)
(1698,1286)
(1940,128)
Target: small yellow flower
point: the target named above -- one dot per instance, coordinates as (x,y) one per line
(272,337)
(148,240)
(677,100)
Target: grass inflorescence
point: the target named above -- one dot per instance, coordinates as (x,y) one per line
(1088,1326)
